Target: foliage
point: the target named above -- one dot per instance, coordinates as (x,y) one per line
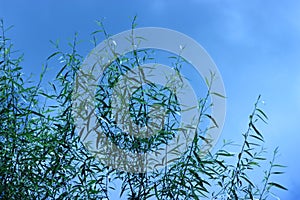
(41,156)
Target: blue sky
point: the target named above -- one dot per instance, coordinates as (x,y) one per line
(255,45)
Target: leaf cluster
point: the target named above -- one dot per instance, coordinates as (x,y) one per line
(42,156)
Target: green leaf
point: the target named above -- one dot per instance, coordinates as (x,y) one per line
(277,165)
(36,113)
(262,112)
(277,185)
(247,180)
(262,119)
(256,137)
(277,172)
(256,131)
(218,94)
(52,55)
(212,119)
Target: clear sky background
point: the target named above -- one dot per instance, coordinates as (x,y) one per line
(255,44)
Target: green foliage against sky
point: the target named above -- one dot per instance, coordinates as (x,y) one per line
(41,156)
